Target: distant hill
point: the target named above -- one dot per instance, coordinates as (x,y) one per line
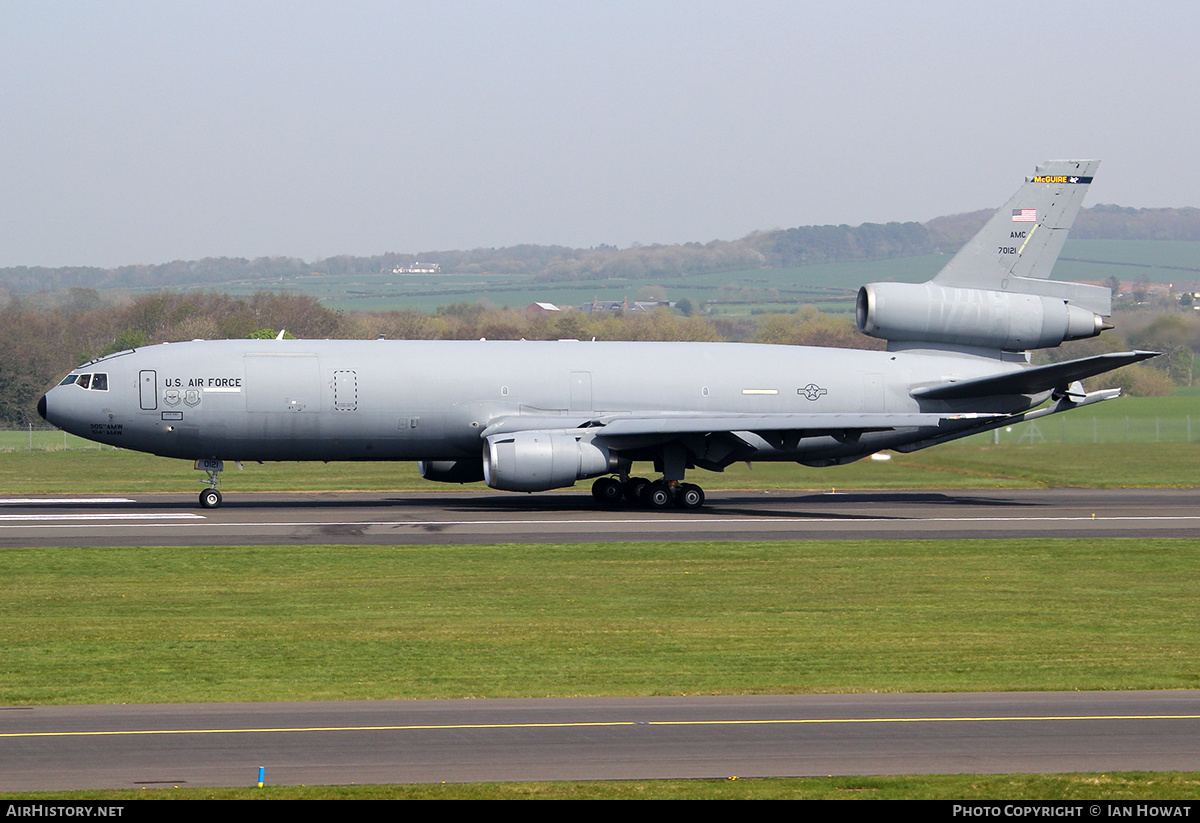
(779,248)
(1102,222)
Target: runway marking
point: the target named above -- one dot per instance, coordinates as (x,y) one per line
(92,516)
(603,723)
(28,501)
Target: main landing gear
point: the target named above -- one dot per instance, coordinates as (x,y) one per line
(660,494)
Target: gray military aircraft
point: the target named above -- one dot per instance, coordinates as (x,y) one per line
(532,416)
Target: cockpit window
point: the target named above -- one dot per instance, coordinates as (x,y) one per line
(95,382)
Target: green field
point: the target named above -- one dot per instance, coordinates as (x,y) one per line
(1130,260)
(784,289)
(1174,419)
(270,623)
(832,285)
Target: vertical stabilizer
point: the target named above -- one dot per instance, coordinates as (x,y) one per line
(1017,248)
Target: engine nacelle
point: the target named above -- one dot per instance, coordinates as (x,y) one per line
(535,461)
(451,471)
(929,313)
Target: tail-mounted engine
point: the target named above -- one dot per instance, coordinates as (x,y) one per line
(929,313)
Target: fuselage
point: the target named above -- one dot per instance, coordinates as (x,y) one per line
(432,400)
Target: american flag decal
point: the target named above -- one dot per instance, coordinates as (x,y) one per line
(1024,215)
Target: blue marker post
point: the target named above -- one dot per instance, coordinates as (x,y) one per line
(262,772)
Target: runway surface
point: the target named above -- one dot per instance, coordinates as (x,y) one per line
(471,517)
(59,748)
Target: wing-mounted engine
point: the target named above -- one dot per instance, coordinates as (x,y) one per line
(930,313)
(533,461)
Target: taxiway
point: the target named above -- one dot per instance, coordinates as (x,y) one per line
(58,748)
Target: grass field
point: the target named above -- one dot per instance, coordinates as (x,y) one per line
(369,622)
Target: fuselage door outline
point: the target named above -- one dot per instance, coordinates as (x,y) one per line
(148,387)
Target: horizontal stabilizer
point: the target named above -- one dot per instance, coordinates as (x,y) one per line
(1032,380)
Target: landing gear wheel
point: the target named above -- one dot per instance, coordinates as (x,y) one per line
(210,499)
(690,496)
(607,491)
(659,495)
(635,490)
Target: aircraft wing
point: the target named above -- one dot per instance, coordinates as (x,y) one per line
(707,424)
(668,424)
(714,441)
(1032,380)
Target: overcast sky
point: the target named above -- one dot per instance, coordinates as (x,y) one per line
(146,132)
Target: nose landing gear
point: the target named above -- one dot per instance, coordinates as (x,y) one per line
(210,498)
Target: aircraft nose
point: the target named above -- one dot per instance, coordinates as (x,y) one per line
(42,407)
